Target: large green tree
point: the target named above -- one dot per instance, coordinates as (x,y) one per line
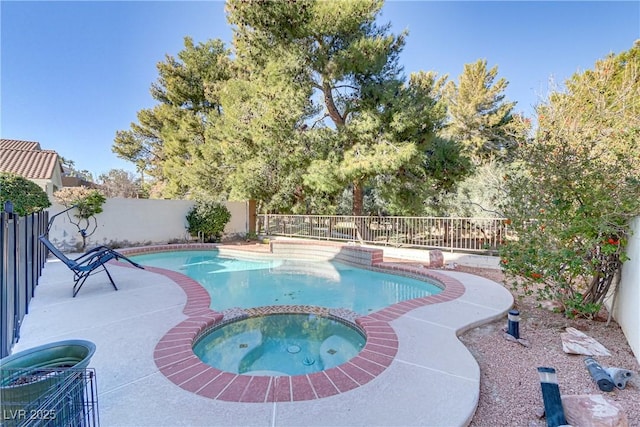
(417,117)
(260,136)
(358,122)
(480,118)
(167,141)
(309,102)
(572,208)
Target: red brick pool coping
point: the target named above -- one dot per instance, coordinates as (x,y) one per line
(175,358)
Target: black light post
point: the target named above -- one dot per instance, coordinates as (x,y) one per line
(554,412)
(514,323)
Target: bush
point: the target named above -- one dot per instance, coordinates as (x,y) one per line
(88,203)
(27,197)
(209,219)
(573,206)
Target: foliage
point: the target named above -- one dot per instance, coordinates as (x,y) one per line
(295,114)
(208,218)
(442,167)
(573,206)
(120,183)
(347,64)
(27,197)
(87,202)
(481,194)
(169,140)
(479,116)
(251,235)
(260,136)
(70,170)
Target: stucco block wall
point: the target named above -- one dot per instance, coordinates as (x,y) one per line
(627,305)
(139,221)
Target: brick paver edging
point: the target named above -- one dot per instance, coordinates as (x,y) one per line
(175,358)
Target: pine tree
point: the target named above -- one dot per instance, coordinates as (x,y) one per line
(479,116)
(350,63)
(167,140)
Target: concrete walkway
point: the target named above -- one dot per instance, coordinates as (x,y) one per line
(433,380)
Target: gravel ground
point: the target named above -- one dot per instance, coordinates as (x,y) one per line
(510,393)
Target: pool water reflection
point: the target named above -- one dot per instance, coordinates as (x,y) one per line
(250,283)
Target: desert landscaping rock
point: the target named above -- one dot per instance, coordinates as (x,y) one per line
(576,342)
(593,410)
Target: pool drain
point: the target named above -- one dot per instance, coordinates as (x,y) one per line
(293,349)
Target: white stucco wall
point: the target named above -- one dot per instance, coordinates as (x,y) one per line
(47,186)
(627,304)
(139,221)
(50,185)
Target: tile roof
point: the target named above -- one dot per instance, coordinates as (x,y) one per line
(34,164)
(16,144)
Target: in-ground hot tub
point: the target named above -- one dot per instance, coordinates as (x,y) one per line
(280,344)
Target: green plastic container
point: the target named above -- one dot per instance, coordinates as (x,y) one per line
(29,379)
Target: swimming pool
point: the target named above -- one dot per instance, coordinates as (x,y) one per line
(247,283)
(175,359)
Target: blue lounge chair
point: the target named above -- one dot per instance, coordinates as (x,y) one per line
(88,263)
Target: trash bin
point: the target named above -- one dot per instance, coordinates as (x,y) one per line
(44,385)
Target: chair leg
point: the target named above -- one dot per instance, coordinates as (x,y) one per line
(80,279)
(110,278)
(79,282)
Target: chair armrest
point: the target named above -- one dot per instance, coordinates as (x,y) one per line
(95,255)
(97,250)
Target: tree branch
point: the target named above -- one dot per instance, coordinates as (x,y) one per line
(333,112)
(319,120)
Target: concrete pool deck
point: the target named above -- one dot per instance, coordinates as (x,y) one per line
(433,380)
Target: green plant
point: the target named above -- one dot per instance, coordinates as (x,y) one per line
(88,203)
(208,218)
(572,208)
(27,197)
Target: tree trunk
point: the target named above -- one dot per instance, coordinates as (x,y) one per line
(358,198)
(334,114)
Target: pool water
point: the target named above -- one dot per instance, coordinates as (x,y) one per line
(253,283)
(279,345)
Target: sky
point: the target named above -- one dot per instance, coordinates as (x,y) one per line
(74,73)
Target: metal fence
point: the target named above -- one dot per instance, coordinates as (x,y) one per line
(22,258)
(483,235)
(49,397)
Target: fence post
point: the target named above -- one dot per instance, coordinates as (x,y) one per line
(21,261)
(18,307)
(5,313)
